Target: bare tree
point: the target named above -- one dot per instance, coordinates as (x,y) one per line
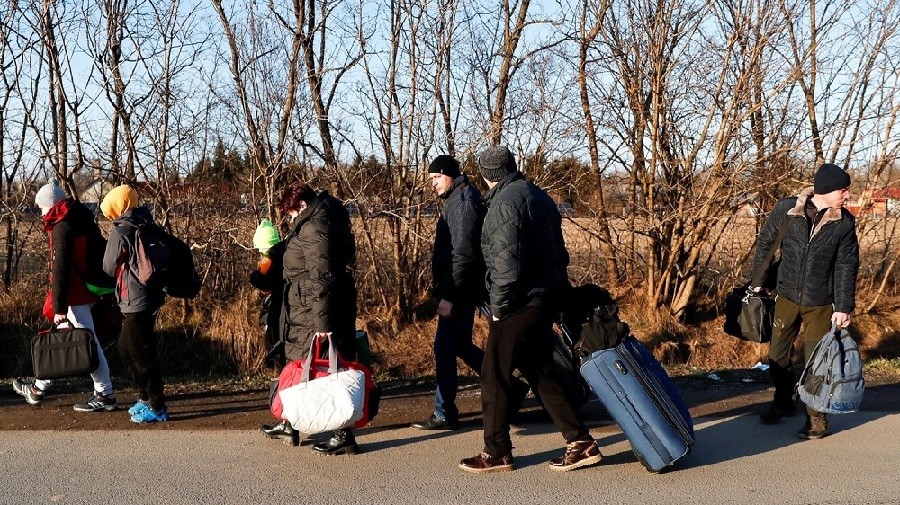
(495,57)
(397,106)
(689,97)
(586,37)
(107,52)
(441,46)
(18,98)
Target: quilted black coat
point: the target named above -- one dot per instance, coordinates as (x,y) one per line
(319,288)
(523,247)
(457,267)
(818,265)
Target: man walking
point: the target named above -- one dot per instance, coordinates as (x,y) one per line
(457,270)
(816,281)
(526,261)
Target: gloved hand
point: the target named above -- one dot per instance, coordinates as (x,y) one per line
(761,290)
(259,281)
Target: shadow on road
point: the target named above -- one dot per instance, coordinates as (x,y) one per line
(400,442)
(741,434)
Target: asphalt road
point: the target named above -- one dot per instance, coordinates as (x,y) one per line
(736,460)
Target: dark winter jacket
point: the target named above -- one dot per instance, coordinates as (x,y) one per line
(72,231)
(523,246)
(130,293)
(457,268)
(272,282)
(818,265)
(319,289)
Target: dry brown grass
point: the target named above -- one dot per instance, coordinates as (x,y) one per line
(410,352)
(219,332)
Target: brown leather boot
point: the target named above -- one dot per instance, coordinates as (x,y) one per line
(578,454)
(776,411)
(783,404)
(485,463)
(816,426)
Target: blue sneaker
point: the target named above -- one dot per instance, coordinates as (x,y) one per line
(148,415)
(137,407)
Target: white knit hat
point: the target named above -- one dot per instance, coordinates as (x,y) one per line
(49,194)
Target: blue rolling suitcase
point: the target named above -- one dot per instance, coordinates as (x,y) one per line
(641,398)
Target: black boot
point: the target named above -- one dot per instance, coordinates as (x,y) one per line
(783,405)
(341,442)
(282,430)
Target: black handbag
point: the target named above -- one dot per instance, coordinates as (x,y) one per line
(64,352)
(750,315)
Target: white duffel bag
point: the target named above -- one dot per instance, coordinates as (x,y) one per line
(327,403)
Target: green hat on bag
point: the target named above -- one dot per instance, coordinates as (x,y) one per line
(266,236)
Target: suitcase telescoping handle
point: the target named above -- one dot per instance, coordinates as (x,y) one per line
(567,335)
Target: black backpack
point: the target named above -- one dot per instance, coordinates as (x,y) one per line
(592,317)
(162,259)
(94,274)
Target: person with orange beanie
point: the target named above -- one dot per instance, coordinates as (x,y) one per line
(139,304)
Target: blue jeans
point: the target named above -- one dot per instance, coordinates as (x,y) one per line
(453,339)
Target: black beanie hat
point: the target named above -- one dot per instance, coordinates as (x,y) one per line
(830,178)
(495,162)
(445,164)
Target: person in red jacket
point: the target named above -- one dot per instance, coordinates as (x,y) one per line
(72,229)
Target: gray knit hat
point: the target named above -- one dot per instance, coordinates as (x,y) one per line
(496,162)
(49,194)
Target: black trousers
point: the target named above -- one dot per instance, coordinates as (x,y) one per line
(137,346)
(523,340)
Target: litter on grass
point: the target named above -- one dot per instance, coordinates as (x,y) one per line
(760,366)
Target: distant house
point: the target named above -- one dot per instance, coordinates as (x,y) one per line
(887,199)
(745,205)
(876,202)
(96,190)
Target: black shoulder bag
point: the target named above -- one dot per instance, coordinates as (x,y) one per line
(749,315)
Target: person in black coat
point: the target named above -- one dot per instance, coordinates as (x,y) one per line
(526,260)
(319,290)
(457,272)
(816,283)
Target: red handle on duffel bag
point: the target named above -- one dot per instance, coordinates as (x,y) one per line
(292,374)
